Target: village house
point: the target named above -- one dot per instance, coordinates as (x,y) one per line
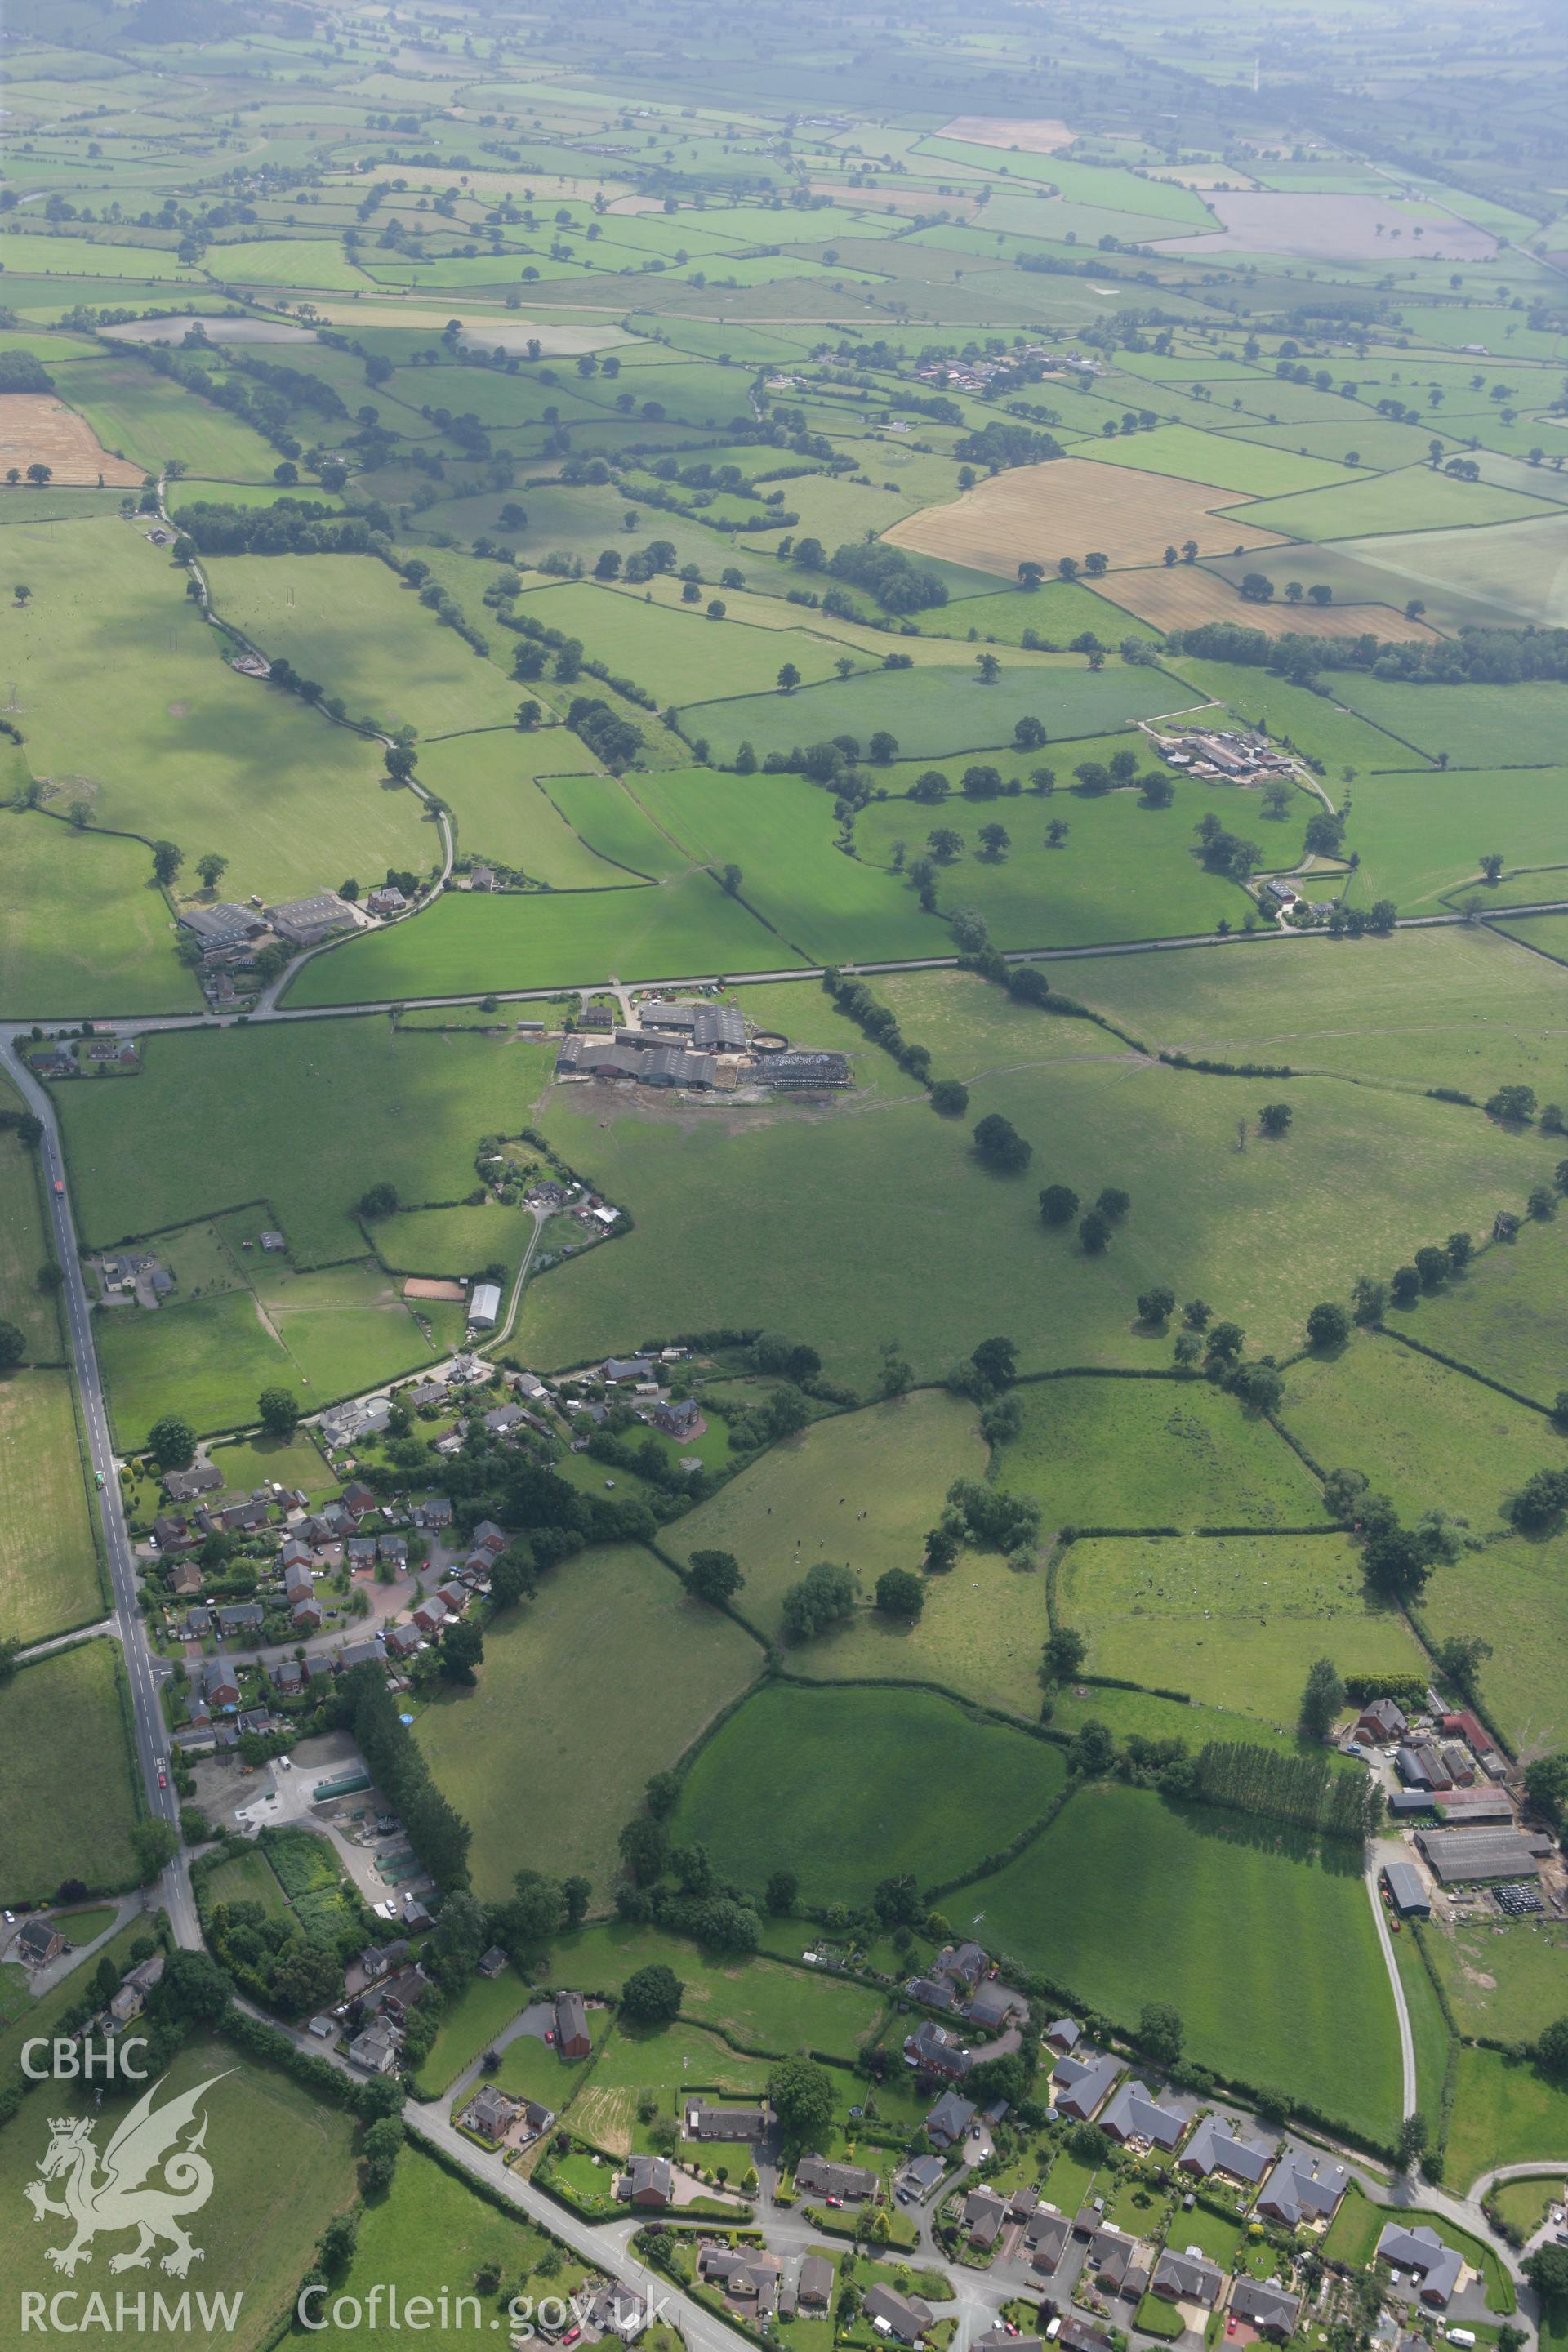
(132,1998)
(983,2213)
(1083,2085)
(573,2039)
(1047,2234)
(739,2123)
(818,2175)
(1187,2278)
(903,2317)
(35,1943)
(183,1485)
(1216,2147)
(649,2180)
(929,2049)
(1134,2113)
(373,2051)
(1434,2266)
(1267,2306)
(490,2115)
(218,1683)
(1118,2264)
(947,2122)
(1063,2035)
(1303,2188)
(1380,1723)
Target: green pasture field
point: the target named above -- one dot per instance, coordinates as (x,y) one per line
(149,418)
(75,1824)
(250,1878)
(1058,613)
(316,262)
(1502,1978)
(172,743)
(1417,834)
(1514,1595)
(980,1636)
(1377,441)
(937,713)
(1136,1453)
(1428,2026)
(1349,569)
(675,653)
(454,1242)
(25,1243)
(612,821)
(49,1576)
(860,1488)
(83,927)
(1461,1007)
(63,503)
(1062,1909)
(294,1461)
(1505,1317)
(500,788)
(28,250)
(407,1106)
(847,1787)
(1471,723)
(1504,2113)
(762,2004)
(667,2061)
(778,830)
(531,2068)
(1118,191)
(1546,934)
(1415,498)
(573,938)
(1186,455)
(1124,1712)
(1123,872)
(350,623)
(1237,1621)
(470,2025)
(1513,570)
(1257,1233)
(1313,723)
(609,1618)
(322,1335)
(282,2164)
(1421,1434)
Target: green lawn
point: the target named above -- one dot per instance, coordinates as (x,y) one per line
(1138,1453)
(49,1576)
(66,1825)
(761,2004)
(936,712)
(249,1878)
(1421,1434)
(661,2061)
(466,945)
(849,1787)
(454,1242)
(862,1487)
(543,1716)
(1127,1899)
(172,743)
(83,928)
(283,2166)
(1235,1619)
(1353,2233)
(282,1461)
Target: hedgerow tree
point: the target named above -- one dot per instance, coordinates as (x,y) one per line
(900,1593)
(1322,1699)
(715,1576)
(171,1443)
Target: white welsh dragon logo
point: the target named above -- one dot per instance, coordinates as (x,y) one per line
(116,2198)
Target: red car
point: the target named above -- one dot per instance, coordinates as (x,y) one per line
(162,1780)
(59,1184)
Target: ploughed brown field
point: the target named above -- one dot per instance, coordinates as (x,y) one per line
(1072,506)
(37,429)
(1184,596)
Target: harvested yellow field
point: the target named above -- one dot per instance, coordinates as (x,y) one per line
(1184,596)
(1038,136)
(37,429)
(1070,506)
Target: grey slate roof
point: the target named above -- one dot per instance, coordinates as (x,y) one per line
(1187,2278)
(949,2118)
(1135,2113)
(1422,2253)
(1215,2148)
(1266,2304)
(1082,2084)
(1303,2188)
